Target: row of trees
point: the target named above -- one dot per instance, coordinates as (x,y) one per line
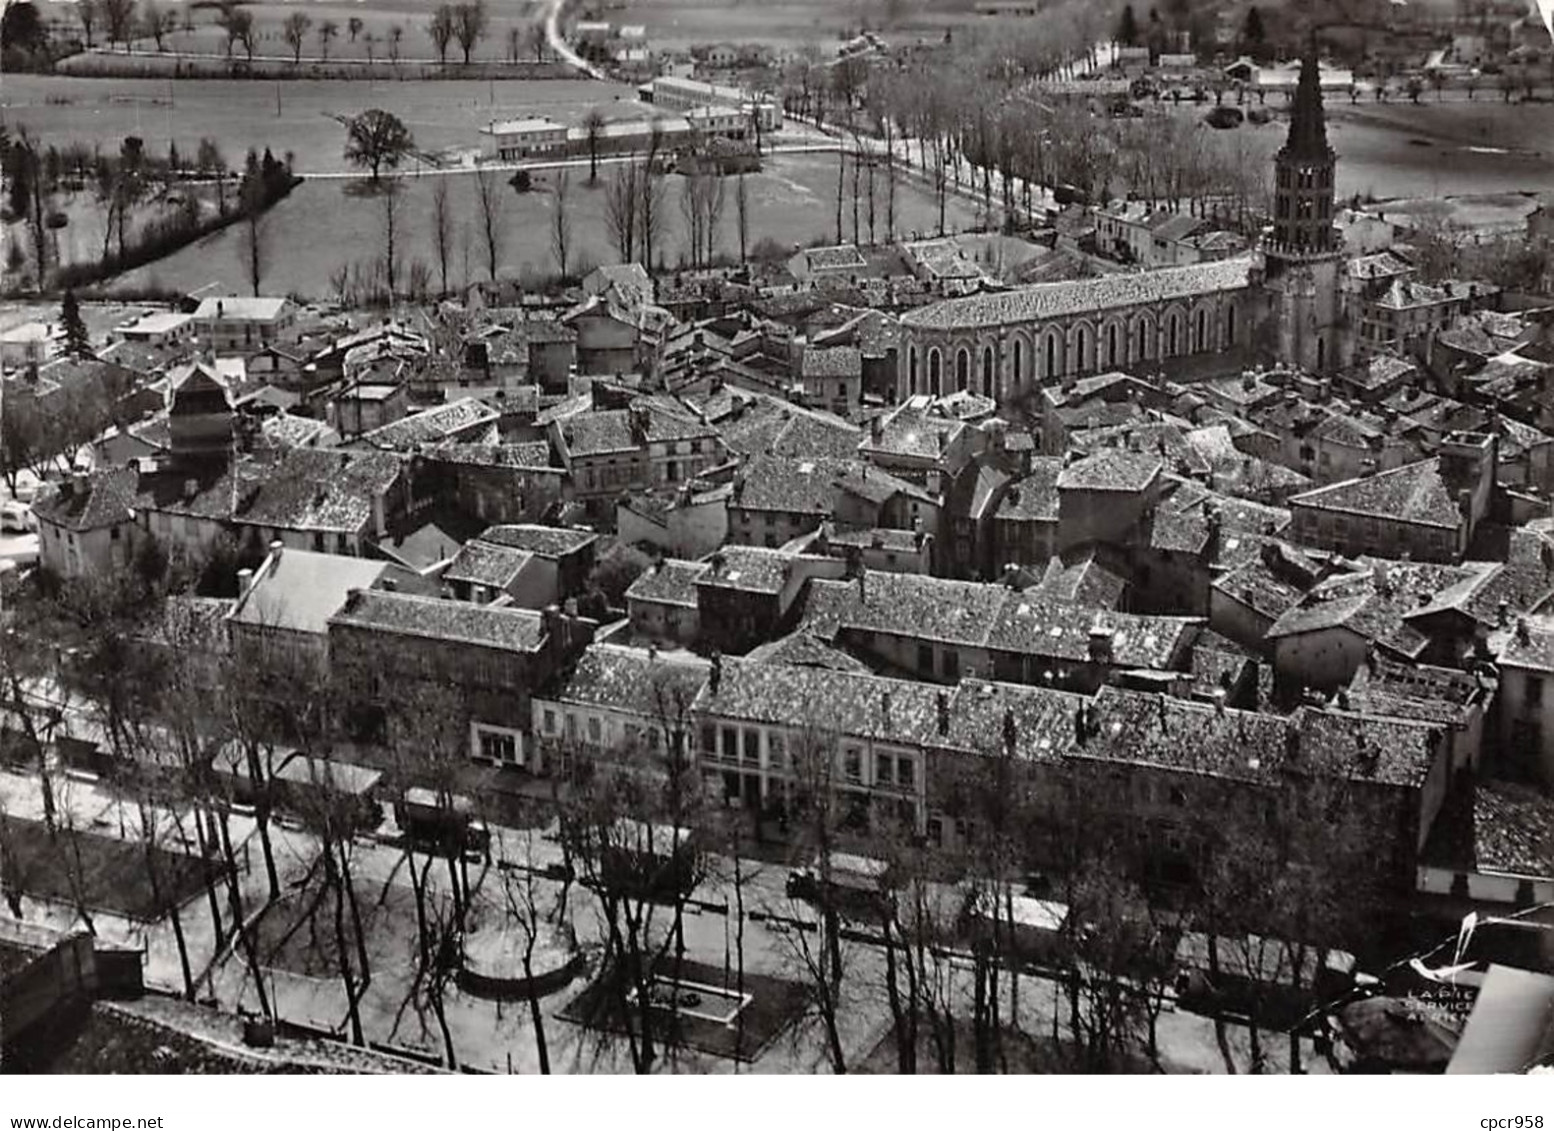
(1285,859)
(126,186)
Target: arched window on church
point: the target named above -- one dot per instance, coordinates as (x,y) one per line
(1321,353)
(1172,335)
(1052,355)
(1201,338)
(1084,354)
(912,370)
(1111,346)
(1142,349)
(1017,360)
(987,371)
(962,369)
(933,371)
(1230,325)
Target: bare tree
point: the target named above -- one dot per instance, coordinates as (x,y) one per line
(354,26)
(327,31)
(89,12)
(158,24)
(742,216)
(295,30)
(652,192)
(440,29)
(391,221)
(442,229)
(620,208)
(561,222)
(469,26)
(255,231)
(396,38)
(593,127)
(488,192)
(538,43)
(119,20)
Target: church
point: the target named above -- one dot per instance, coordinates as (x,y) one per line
(1281,304)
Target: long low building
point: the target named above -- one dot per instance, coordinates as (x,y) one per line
(1003,342)
(540,139)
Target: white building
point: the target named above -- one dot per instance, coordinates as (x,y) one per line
(520,138)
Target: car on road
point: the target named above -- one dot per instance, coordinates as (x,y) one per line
(856,887)
(17,518)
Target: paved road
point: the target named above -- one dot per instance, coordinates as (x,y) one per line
(559,45)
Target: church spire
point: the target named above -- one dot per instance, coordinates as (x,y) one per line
(1303,174)
(1308,124)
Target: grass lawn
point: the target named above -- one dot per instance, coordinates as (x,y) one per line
(113,873)
(785,24)
(326,224)
(412,15)
(288,117)
(774,1004)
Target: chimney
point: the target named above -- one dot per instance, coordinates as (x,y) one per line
(390,585)
(942,702)
(245,580)
(1523,632)
(863,581)
(1465,503)
(1011,732)
(78,481)
(1011,575)
(1503,614)
(1081,731)
(1101,644)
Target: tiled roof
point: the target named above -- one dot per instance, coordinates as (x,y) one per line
(824,701)
(1414,493)
(754,569)
(1032,625)
(1034,498)
(432,425)
(1110,470)
(1513,829)
(806,650)
(990,616)
(912,430)
(1373,602)
(1531,649)
(1082,580)
(878,538)
(793,486)
(312,489)
(545,541)
(629,679)
(104,501)
(1155,729)
(1056,300)
(1413,691)
(670,582)
(1181,523)
(838,361)
(531,454)
(486,563)
(513,630)
(985,715)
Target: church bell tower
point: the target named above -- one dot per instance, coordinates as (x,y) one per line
(1302,259)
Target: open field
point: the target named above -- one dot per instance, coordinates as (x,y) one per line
(677,24)
(206,38)
(324,225)
(288,117)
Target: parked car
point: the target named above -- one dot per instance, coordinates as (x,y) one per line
(856,887)
(17,518)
